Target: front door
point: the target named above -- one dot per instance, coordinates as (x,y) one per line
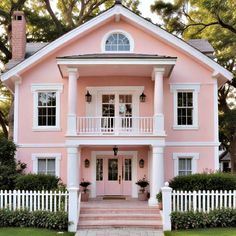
(114,175)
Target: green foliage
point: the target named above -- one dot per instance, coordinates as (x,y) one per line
(215,181)
(38,219)
(37,182)
(195,220)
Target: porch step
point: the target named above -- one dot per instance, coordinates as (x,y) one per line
(127,215)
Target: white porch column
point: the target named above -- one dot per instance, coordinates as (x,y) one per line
(157,174)
(73,160)
(72,101)
(158,74)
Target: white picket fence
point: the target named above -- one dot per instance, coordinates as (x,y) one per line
(202,200)
(34,200)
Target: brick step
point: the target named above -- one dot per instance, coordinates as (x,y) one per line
(151,224)
(119,216)
(119,210)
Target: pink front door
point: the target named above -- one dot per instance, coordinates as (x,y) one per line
(114,175)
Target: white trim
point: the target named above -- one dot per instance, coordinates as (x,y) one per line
(16,110)
(185,87)
(192,144)
(194,157)
(36,156)
(126,34)
(41,145)
(134,155)
(130,16)
(36,88)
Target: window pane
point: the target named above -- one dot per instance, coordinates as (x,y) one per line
(117,42)
(128,169)
(99,169)
(185,166)
(42,169)
(112,169)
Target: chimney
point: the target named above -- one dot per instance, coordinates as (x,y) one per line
(18,39)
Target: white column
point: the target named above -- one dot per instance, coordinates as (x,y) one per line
(166,201)
(157,174)
(73,163)
(72,101)
(158,74)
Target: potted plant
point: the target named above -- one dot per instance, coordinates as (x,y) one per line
(142,183)
(85,191)
(159,199)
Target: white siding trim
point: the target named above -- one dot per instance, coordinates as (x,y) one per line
(194,157)
(36,156)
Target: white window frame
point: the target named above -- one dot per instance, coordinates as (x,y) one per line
(56,156)
(193,156)
(117,31)
(195,89)
(36,89)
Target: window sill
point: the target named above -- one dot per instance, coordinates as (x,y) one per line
(192,127)
(46,129)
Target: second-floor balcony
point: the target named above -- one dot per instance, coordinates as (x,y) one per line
(129,126)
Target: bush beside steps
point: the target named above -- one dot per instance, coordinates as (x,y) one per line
(36,219)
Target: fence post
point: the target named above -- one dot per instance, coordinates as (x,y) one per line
(166,201)
(73,207)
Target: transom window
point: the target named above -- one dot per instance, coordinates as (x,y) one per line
(185,166)
(117,42)
(46,108)
(47,166)
(185,108)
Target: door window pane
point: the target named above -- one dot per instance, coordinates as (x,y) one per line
(112,169)
(99,169)
(128,169)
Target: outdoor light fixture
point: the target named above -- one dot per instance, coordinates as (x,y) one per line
(115,150)
(88,97)
(141,163)
(142,97)
(86,163)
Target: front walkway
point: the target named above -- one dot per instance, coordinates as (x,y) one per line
(119,232)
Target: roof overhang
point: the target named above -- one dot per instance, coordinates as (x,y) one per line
(116,66)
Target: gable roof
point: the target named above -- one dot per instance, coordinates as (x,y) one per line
(119,10)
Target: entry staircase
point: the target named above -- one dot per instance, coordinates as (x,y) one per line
(119,214)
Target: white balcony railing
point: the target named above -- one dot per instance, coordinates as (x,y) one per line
(115,125)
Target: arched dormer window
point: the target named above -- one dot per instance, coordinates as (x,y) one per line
(117,42)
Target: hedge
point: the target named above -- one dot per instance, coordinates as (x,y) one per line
(194,220)
(37,182)
(215,181)
(37,219)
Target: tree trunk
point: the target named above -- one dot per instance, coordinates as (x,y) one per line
(232,151)
(11,120)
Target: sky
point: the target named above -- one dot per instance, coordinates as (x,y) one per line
(144,7)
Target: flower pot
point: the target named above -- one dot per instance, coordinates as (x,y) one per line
(84,197)
(160,205)
(142,196)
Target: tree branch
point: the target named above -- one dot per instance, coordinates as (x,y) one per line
(5,51)
(226,26)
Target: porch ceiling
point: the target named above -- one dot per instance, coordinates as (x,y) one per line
(116,64)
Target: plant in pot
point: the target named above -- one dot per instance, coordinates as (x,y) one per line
(159,199)
(85,191)
(142,183)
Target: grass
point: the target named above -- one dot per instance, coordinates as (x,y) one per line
(204,232)
(31,232)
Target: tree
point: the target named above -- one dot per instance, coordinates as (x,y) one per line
(214,20)
(45,22)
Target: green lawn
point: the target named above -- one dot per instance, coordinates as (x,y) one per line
(204,232)
(31,232)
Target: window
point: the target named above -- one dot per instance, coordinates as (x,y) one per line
(47,166)
(117,42)
(46,163)
(46,115)
(99,169)
(185,105)
(185,163)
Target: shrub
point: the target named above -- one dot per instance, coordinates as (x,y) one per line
(215,181)
(194,220)
(37,219)
(37,182)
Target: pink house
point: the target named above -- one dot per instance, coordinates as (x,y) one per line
(116,83)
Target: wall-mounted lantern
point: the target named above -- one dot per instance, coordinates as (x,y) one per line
(88,97)
(115,150)
(142,97)
(86,163)
(141,163)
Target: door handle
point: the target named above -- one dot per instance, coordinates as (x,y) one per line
(119,179)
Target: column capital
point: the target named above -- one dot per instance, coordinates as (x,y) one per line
(158,71)
(72,150)
(157,150)
(73,71)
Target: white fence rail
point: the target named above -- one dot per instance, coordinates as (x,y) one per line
(202,200)
(115,125)
(34,200)
(197,201)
